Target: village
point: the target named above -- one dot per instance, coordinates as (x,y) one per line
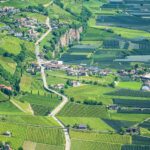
(25,28)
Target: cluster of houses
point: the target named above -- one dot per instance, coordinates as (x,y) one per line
(8,10)
(138,74)
(55,24)
(2,86)
(133,131)
(31,24)
(146,82)
(62,86)
(79,70)
(6,147)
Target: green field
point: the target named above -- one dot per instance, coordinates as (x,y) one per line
(90,140)
(24,3)
(41,104)
(21,133)
(130,85)
(8,64)
(32,83)
(8,41)
(81,110)
(8,108)
(94,123)
(90,92)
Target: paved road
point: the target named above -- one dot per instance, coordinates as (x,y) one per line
(64,98)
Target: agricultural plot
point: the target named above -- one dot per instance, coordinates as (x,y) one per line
(132,103)
(48,147)
(129,117)
(145,124)
(100,137)
(117,125)
(131,93)
(51,136)
(8,64)
(8,108)
(124,21)
(93,145)
(79,54)
(41,105)
(145,132)
(23,4)
(64,17)
(81,110)
(94,34)
(3,97)
(140,140)
(8,41)
(136,58)
(90,92)
(124,32)
(130,85)
(30,120)
(106,56)
(32,84)
(93,123)
(135,147)
(75,59)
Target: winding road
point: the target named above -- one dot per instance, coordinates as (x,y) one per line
(64,98)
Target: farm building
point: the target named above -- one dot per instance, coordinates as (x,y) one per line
(113,107)
(82,127)
(133,130)
(7,133)
(75,83)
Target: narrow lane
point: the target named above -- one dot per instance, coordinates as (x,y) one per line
(64,98)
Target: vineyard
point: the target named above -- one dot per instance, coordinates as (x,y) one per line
(119,124)
(21,133)
(123,21)
(41,104)
(92,145)
(135,147)
(132,93)
(145,124)
(81,110)
(82,49)
(132,103)
(140,140)
(100,137)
